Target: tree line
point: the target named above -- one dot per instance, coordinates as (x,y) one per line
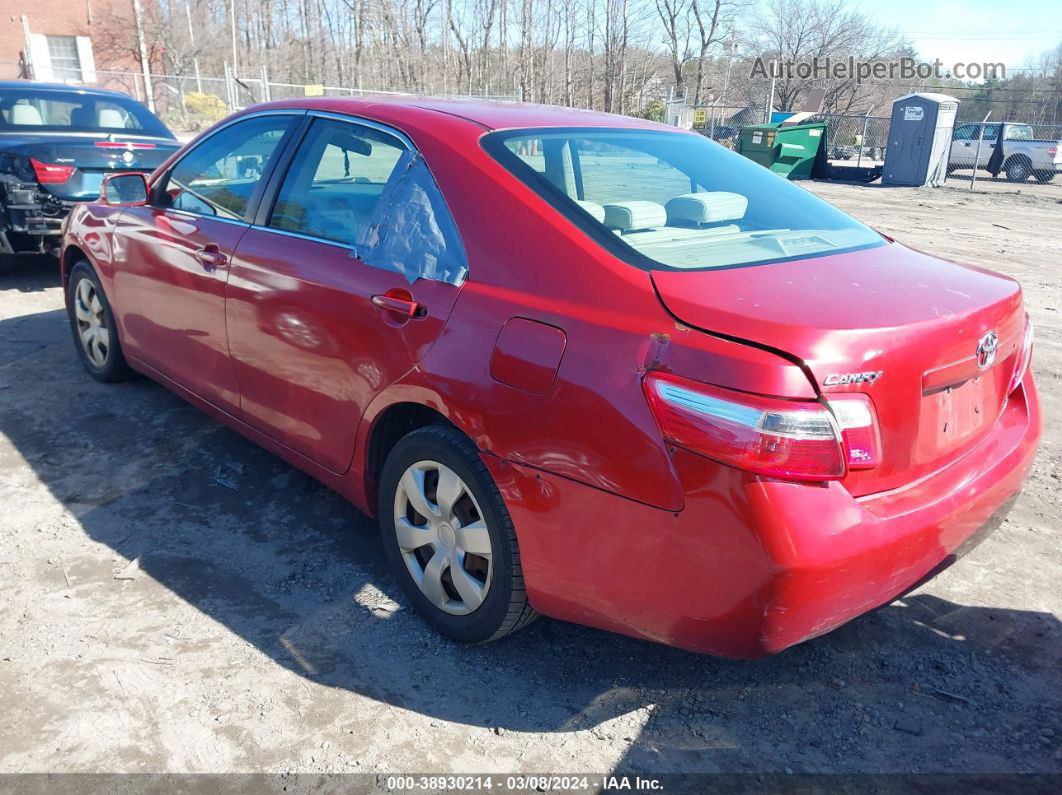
(623,56)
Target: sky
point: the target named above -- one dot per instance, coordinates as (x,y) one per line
(1007,31)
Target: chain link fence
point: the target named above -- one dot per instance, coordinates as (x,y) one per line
(188,103)
(850,140)
(1028,150)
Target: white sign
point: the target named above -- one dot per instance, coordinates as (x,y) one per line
(814,133)
(913,114)
(757,137)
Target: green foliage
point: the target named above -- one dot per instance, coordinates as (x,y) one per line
(654,111)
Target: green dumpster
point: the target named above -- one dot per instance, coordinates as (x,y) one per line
(786,150)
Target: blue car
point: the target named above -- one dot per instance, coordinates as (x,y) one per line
(56,144)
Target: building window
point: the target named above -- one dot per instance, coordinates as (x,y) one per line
(62,52)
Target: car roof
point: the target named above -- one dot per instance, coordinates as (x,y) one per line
(489,114)
(78,89)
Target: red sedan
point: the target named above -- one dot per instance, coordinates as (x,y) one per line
(577,364)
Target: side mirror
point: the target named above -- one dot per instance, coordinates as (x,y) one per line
(124,190)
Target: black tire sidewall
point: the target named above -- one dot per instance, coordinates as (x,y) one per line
(430,444)
(1020,170)
(115,368)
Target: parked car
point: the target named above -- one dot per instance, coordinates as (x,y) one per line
(1021,154)
(576,364)
(56,143)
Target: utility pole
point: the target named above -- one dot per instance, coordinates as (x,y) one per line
(191,39)
(145,67)
(232,25)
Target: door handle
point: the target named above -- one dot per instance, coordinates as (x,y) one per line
(399,302)
(211,258)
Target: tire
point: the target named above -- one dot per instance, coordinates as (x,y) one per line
(428,546)
(1018,169)
(1043,177)
(88,310)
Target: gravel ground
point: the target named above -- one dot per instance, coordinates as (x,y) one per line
(178,600)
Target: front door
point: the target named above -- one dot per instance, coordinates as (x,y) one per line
(174,257)
(342,289)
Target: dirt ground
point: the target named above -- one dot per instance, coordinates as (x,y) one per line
(258,630)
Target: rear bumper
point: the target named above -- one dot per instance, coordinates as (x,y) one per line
(750,567)
(27,226)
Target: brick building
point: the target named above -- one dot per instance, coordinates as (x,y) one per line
(65,40)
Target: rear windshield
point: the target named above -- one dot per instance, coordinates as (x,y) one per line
(27,110)
(675,201)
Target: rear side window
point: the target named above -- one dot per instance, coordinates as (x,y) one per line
(676,201)
(364,188)
(335,181)
(220,175)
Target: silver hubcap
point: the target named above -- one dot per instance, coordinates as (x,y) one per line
(91,323)
(443,537)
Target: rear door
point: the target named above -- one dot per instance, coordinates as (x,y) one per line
(174,256)
(340,287)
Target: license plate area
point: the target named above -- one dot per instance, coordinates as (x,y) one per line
(953,417)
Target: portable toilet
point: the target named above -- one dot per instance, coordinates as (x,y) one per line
(919,139)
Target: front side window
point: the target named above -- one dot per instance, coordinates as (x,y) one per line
(219,176)
(364,188)
(675,201)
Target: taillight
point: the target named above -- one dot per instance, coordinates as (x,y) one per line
(789,439)
(859,429)
(1021,365)
(51,173)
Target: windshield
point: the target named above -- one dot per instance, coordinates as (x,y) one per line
(28,110)
(663,200)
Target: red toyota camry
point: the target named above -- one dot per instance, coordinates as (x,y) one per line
(577,364)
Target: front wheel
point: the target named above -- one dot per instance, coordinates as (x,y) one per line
(93,327)
(449,538)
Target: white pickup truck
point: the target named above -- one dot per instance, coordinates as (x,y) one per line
(1023,154)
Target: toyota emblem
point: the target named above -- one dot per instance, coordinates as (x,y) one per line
(986,350)
(127,157)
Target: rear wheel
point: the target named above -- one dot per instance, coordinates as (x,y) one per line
(93,327)
(449,538)
(1043,177)
(1018,169)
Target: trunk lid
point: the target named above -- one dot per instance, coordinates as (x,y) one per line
(93,155)
(914,318)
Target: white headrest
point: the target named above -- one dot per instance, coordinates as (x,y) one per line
(596,210)
(707,207)
(635,215)
(25,114)
(110,117)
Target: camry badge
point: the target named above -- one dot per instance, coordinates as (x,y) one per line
(840,379)
(986,350)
